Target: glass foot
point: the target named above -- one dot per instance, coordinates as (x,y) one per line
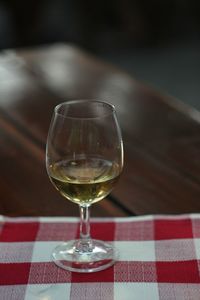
(85,256)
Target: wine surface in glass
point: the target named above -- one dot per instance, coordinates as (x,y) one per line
(84,180)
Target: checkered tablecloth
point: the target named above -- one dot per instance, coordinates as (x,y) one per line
(159,259)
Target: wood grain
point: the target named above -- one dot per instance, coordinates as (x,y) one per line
(161,134)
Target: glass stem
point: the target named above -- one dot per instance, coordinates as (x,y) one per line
(85,222)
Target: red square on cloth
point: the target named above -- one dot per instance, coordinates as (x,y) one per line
(103,231)
(14,273)
(19,232)
(178,271)
(173,229)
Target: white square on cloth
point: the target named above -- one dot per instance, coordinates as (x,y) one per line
(57,291)
(136,291)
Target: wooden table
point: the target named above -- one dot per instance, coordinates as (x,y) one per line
(161,135)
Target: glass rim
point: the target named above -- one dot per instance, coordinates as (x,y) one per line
(58,106)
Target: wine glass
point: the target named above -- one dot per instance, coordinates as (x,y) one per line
(84,159)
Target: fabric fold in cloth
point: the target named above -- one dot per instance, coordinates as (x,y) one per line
(159,259)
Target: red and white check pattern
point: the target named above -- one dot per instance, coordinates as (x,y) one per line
(159,259)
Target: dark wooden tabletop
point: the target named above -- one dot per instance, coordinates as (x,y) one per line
(161,135)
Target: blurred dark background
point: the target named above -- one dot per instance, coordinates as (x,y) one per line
(156,41)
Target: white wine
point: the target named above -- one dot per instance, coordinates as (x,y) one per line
(84,180)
